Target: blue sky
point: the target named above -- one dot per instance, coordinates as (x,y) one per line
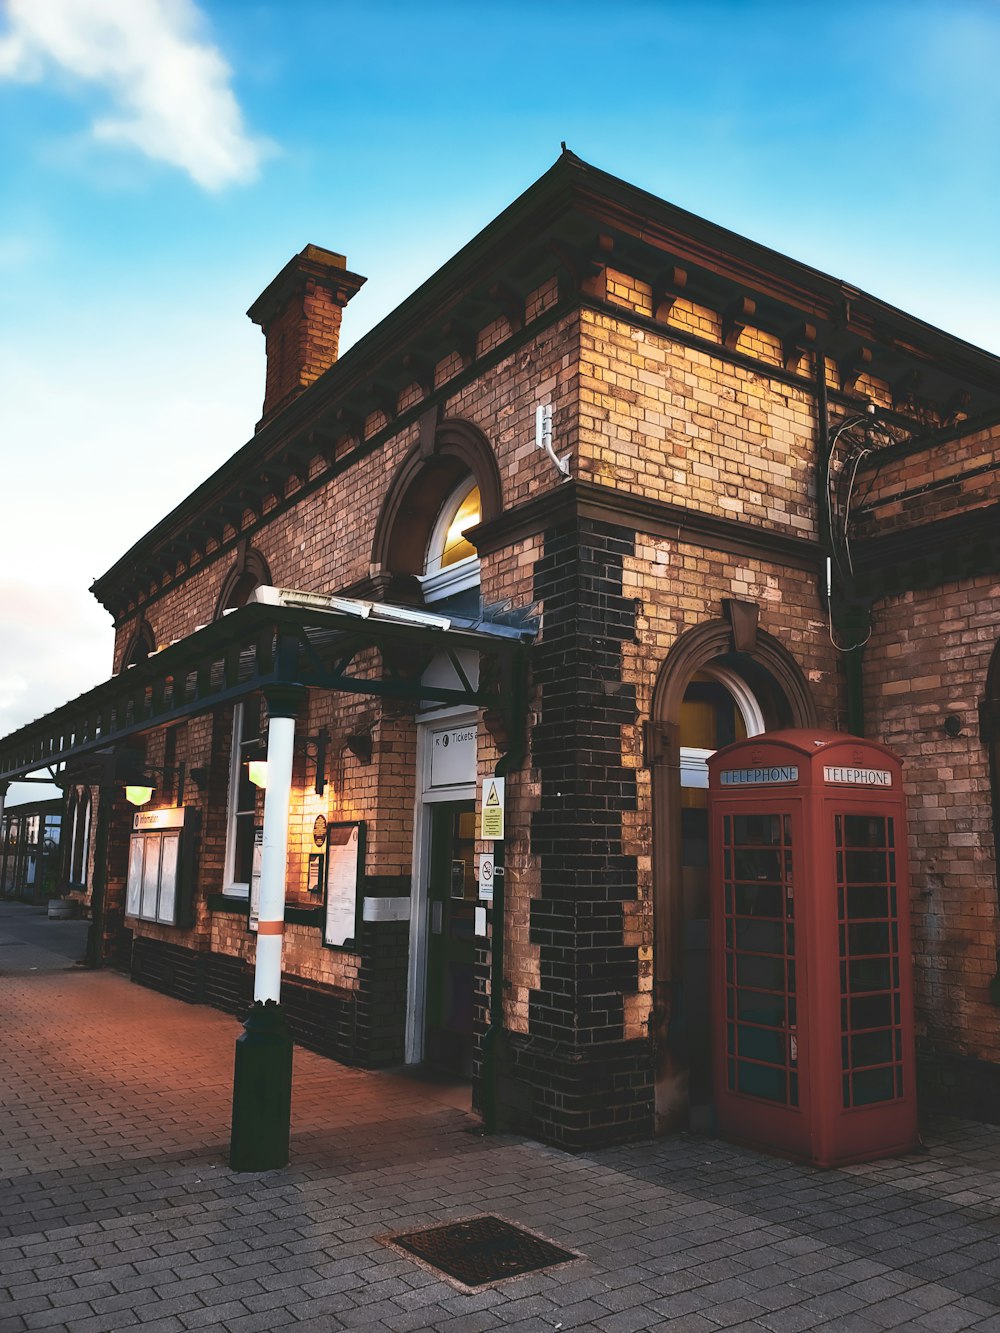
(160,160)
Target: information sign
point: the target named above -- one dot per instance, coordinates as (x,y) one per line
(858,777)
(486,877)
(344,859)
(492,809)
(258,856)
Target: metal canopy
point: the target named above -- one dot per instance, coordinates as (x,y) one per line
(259,647)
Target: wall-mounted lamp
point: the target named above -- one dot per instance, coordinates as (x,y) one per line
(952,726)
(255,758)
(135,775)
(316,748)
(360,745)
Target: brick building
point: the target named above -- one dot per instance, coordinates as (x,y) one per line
(569,515)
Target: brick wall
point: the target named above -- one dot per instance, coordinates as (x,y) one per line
(928,658)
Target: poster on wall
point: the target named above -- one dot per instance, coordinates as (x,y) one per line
(258,856)
(345,858)
(133,891)
(151,875)
(167,909)
(154,889)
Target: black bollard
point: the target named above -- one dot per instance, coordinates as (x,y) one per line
(262,1091)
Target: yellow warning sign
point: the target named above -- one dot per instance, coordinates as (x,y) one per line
(492,808)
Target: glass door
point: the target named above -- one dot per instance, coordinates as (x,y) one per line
(451,938)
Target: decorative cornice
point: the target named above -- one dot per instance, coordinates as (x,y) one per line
(639,513)
(577,220)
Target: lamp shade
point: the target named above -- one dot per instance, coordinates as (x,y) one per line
(137,793)
(257,772)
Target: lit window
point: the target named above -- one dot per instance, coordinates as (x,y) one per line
(452,562)
(456,546)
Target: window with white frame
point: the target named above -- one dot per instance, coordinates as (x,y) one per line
(452,564)
(242,801)
(79,836)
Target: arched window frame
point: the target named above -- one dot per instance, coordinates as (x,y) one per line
(423,485)
(693,760)
(140,646)
(440,581)
(79,837)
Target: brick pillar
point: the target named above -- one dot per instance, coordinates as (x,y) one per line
(588,1085)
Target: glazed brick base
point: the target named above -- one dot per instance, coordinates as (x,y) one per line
(575,1098)
(320,1018)
(952,1085)
(168,968)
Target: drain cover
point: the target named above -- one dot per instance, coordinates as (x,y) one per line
(484,1249)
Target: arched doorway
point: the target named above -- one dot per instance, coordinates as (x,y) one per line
(722,681)
(445,487)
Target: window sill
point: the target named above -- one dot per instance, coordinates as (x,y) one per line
(227,902)
(295,916)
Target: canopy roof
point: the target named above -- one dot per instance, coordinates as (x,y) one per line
(298,641)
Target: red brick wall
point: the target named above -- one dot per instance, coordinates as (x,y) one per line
(928,658)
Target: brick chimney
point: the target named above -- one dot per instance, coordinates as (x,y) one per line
(300,314)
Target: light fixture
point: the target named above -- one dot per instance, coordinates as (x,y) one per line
(257,772)
(139,780)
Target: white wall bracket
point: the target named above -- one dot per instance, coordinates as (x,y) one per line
(543,437)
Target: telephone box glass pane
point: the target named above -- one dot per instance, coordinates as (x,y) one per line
(758,899)
(871,1043)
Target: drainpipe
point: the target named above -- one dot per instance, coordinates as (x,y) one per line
(857,624)
(855,619)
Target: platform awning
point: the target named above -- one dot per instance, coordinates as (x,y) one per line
(326,643)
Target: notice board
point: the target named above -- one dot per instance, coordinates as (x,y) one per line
(344,874)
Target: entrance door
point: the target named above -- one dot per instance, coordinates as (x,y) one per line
(717,709)
(451,939)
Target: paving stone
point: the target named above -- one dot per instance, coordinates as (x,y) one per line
(115,1178)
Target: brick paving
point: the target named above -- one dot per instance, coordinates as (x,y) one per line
(117,1208)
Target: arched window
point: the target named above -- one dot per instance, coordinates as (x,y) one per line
(79,836)
(249,571)
(139,646)
(452,564)
(442,488)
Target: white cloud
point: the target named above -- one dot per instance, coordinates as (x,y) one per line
(169,86)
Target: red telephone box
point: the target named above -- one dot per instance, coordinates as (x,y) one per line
(812,1023)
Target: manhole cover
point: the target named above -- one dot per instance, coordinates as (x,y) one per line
(483,1249)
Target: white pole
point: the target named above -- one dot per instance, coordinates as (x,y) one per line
(274,858)
(3,836)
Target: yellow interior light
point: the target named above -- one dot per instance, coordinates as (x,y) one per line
(468,514)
